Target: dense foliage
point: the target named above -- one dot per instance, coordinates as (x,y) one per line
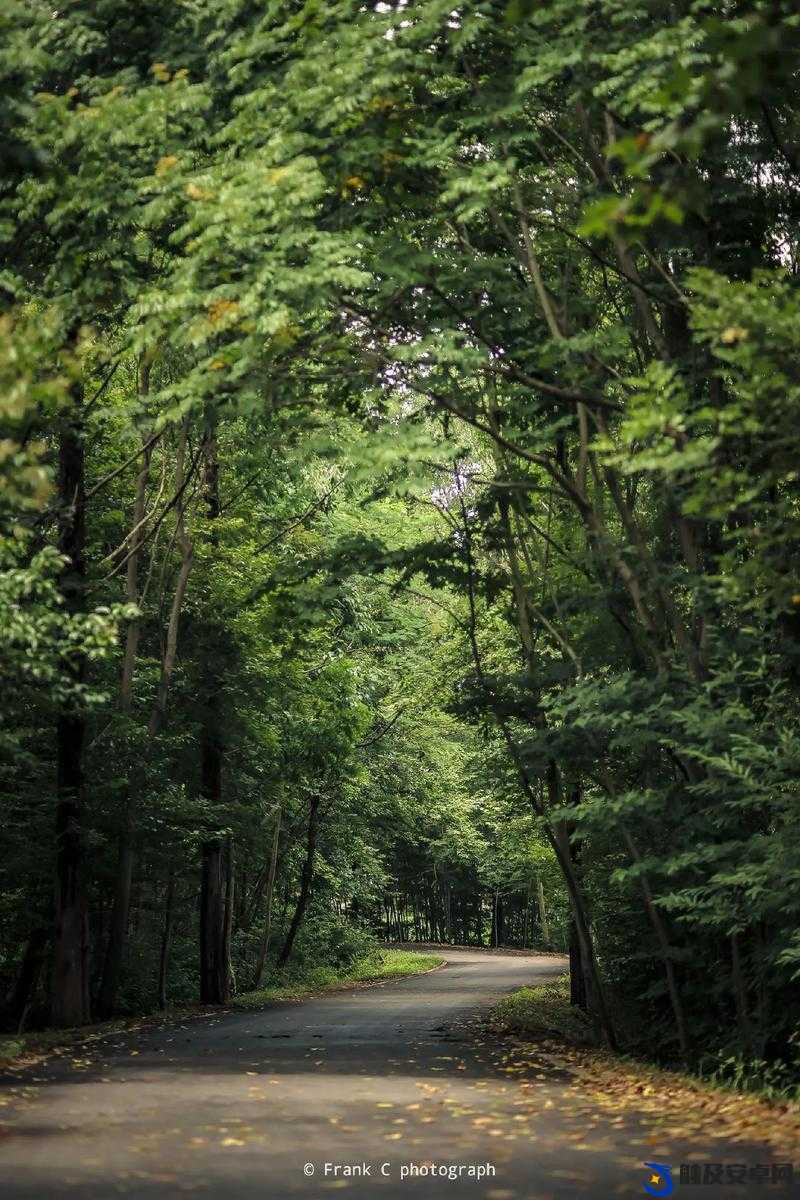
(400,501)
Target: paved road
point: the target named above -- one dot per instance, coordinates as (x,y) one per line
(390,1077)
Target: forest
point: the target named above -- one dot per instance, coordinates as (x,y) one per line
(400,504)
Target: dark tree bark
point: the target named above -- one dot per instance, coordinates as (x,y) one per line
(212,921)
(273,866)
(214,958)
(70,997)
(227,925)
(24,989)
(214,987)
(577,981)
(120,912)
(306,880)
(580,981)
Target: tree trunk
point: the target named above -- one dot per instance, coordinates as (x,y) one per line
(186,547)
(118,930)
(214,982)
(273,866)
(134,553)
(21,996)
(70,1001)
(227,928)
(212,922)
(166,942)
(567,854)
(305,881)
(415,917)
(213,961)
(544,924)
(577,979)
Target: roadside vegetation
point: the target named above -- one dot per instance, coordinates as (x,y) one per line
(544,1011)
(382,965)
(544,1015)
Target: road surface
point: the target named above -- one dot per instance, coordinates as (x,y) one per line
(374,1093)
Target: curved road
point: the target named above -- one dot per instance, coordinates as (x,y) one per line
(287,1101)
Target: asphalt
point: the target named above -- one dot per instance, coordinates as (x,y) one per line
(401,1078)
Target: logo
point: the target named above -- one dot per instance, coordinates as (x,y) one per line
(659,1180)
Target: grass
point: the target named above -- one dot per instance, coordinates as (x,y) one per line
(386,964)
(11,1048)
(544,1010)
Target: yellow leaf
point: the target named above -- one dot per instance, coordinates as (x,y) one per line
(194,192)
(221,309)
(232,1141)
(165,164)
(733,334)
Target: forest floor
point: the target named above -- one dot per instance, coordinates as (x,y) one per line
(405,1079)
